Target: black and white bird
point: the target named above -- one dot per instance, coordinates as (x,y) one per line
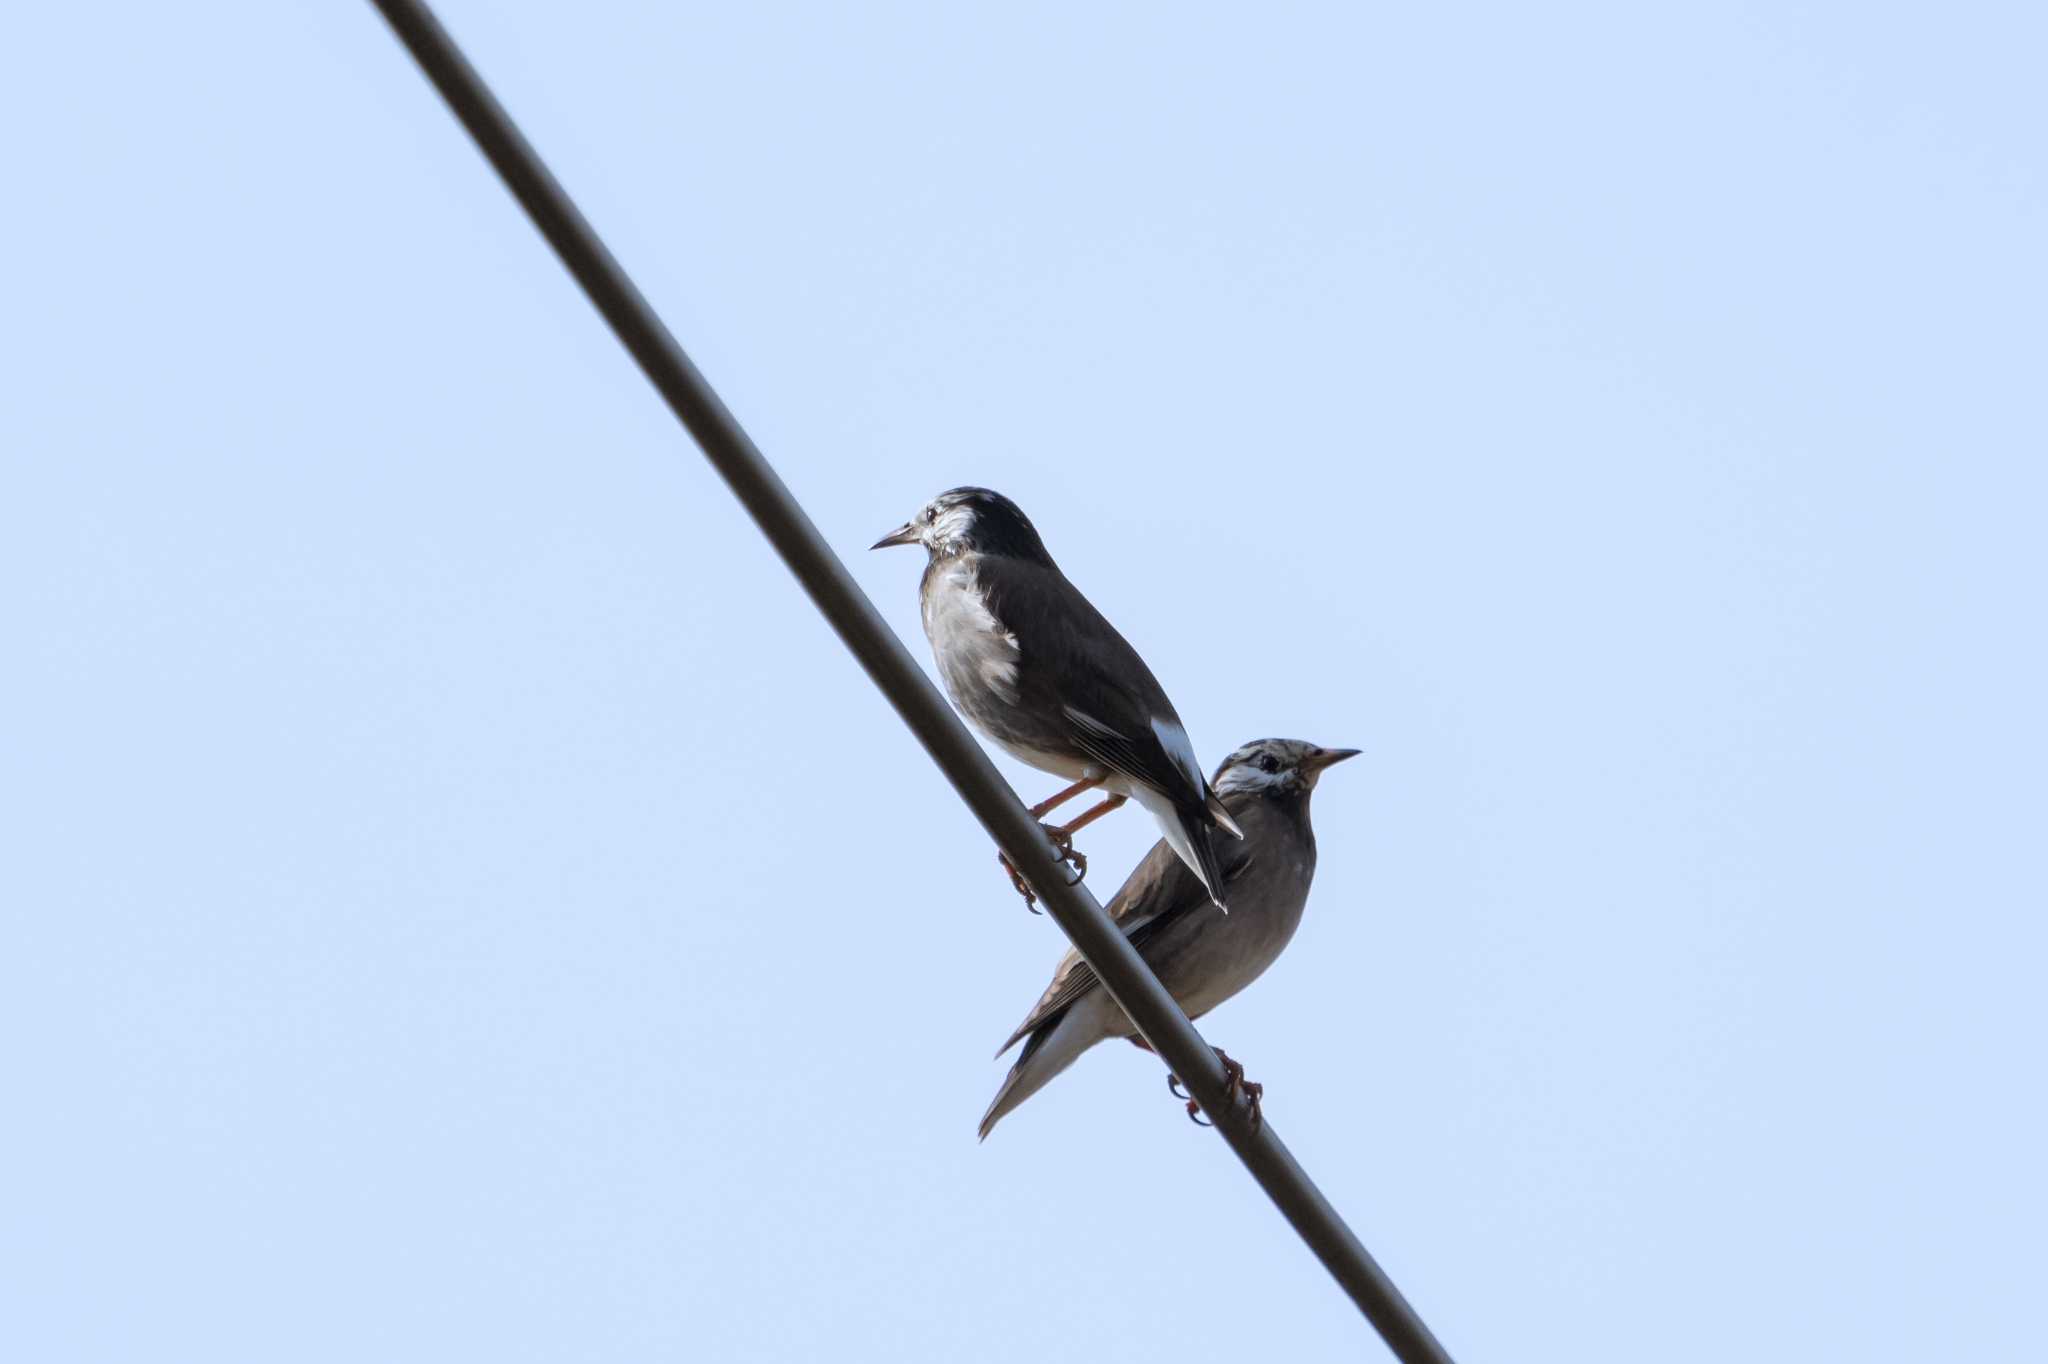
(1032,665)
(1202,959)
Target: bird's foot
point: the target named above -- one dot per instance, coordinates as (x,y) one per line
(1235,1084)
(1194,1108)
(1063,845)
(1023,886)
(1234,1087)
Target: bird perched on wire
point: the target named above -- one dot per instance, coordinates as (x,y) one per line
(1202,959)
(1032,665)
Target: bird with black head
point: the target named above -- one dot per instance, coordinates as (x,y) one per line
(1033,665)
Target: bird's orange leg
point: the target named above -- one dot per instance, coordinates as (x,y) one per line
(1062,835)
(1059,798)
(1074,826)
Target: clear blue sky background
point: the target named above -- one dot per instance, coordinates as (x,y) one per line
(459,902)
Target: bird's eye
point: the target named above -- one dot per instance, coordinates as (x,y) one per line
(1268,763)
(929,515)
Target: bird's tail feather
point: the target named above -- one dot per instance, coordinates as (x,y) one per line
(1222,817)
(1047,1052)
(1202,842)
(1190,834)
(1190,831)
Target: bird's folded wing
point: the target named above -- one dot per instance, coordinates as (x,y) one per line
(1139,753)
(1077,674)
(1159,894)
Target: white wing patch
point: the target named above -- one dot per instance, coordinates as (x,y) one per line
(1174,740)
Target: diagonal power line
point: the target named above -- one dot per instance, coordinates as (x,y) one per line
(1129,981)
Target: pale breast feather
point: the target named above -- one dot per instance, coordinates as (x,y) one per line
(973,648)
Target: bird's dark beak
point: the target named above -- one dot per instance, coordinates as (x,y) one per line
(905,534)
(1330,757)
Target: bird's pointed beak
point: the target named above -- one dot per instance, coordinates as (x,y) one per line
(905,534)
(1330,757)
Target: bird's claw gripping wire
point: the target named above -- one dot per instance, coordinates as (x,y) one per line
(1023,886)
(1063,844)
(1233,1074)
(1234,1085)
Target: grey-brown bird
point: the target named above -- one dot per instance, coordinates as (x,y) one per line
(1201,958)
(1034,666)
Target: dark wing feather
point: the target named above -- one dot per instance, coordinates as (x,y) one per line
(1104,745)
(1158,894)
(1076,674)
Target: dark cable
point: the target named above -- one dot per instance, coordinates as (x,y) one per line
(1129,981)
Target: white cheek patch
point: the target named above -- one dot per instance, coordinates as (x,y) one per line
(952,524)
(1247,777)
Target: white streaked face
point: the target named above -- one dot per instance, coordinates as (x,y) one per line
(944,524)
(964,519)
(1275,766)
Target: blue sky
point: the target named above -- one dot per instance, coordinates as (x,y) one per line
(459,901)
